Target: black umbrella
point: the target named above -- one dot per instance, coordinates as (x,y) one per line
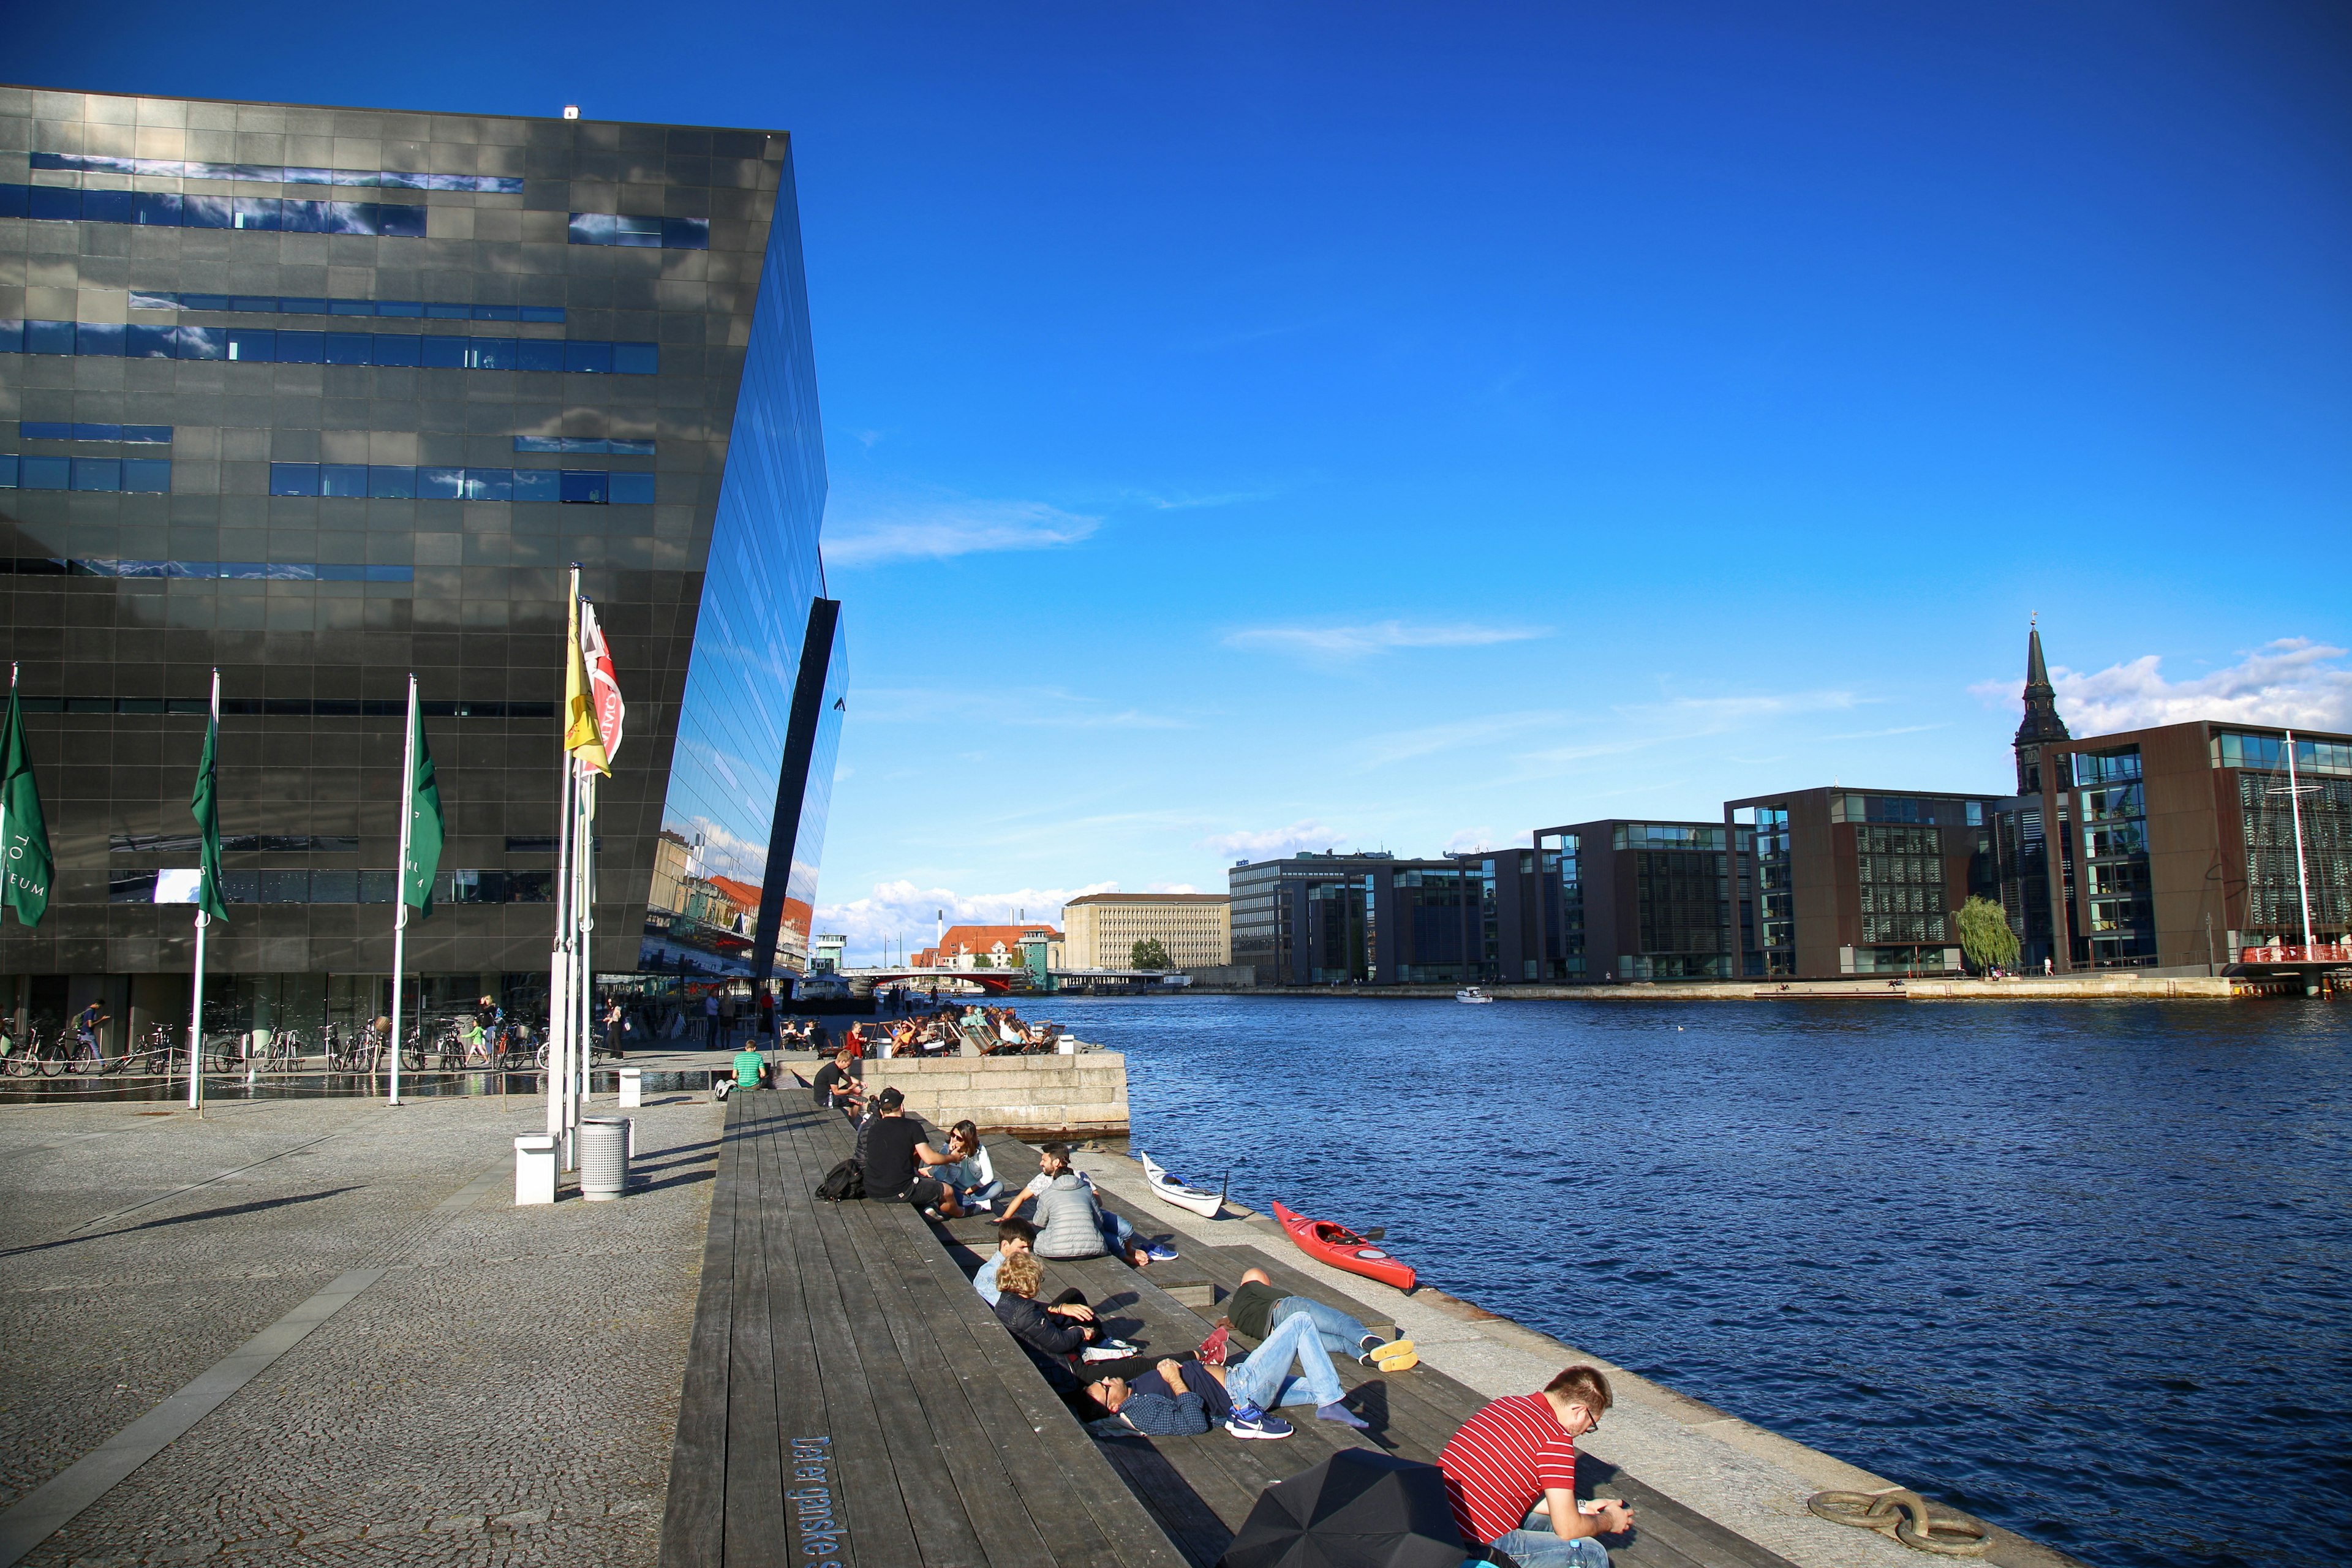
(1356,1509)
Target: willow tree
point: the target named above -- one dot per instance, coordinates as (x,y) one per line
(1985,934)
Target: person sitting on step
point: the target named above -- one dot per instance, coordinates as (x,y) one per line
(1511,1473)
(1013,1237)
(1085,1228)
(894,1155)
(1259,1305)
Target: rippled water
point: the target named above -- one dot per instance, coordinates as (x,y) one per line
(2085,1269)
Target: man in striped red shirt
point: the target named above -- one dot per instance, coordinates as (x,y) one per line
(1511,1472)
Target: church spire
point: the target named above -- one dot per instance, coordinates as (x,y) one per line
(2042,724)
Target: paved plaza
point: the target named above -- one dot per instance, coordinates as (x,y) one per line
(505,1390)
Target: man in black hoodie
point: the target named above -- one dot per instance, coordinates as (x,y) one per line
(1054,1334)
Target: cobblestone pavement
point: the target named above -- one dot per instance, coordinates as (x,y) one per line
(505,1392)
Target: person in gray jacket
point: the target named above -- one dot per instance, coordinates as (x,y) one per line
(1061,1191)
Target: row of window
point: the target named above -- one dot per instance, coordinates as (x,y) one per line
(584,444)
(641,233)
(285,843)
(56,430)
(386,482)
(150,475)
(277,173)
(264,345)
(168,209)
(313,305)
(222,570)
(1660,836)
(285,708)
(179,886)
(2234,750)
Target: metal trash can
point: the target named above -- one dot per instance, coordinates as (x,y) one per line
(632,1089)
(534,1170)
(603,1157)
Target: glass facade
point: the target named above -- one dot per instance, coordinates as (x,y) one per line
(425,543)
(763,572)
(1776,905)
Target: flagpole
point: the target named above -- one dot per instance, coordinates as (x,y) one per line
(196,1004)
(559,989)
(399,888)
(584,921)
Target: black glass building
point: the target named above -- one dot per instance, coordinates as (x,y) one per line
(322,396)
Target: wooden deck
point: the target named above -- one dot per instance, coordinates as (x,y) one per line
(850,1391)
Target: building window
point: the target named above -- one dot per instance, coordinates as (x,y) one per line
(265,345)
(312,305)
(641,233)
(170,209)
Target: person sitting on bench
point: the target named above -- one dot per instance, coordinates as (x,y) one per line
(892,1149)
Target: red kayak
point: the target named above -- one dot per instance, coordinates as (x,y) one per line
(1343,1249)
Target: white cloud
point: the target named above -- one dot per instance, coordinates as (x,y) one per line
(1470,841)
(1169,887)
(2292,681)
(901,910)
(1339,644)
(870,534)
(1306,834)
(1401,745)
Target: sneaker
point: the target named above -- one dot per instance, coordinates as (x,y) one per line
(1404,1362)
(978,1205)
(1161,1252)
(1342,1414)
(1384,1356)
(1212,1349)
(1249,1421)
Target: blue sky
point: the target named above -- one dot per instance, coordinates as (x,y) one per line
(1405,425)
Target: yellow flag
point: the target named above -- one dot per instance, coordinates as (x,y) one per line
(580,734)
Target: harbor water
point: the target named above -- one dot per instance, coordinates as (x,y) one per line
(2085,1269)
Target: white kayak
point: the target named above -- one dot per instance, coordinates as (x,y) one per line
(1168,1189)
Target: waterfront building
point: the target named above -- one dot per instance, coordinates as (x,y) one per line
(323,396)
(2183,847)
(983,946)
(1372,919)
(1840,883)
(1102,929)
(1641,901)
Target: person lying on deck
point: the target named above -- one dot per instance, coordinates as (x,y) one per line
(1259,1306)
(1511,1474)
(1191,1398)
(1070,1222)
(1057,1332)
(893,1152)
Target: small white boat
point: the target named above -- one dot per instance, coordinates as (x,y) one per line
(1168,1189)
(1471,993)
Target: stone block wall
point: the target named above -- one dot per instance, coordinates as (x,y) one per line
(1079,1096)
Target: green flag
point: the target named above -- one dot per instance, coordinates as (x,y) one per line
(26,845)
(424,861)
(204,807)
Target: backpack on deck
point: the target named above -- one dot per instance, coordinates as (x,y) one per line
(846,1180)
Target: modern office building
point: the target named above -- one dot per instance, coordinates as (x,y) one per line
(1644,900)
(2198,844)
(1101,930)
(1370,918)
(1858,882)
(324,397)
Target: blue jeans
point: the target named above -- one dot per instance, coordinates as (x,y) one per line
(1263,1380)
(1533,1545)
(1342,1334)
(1118,1235)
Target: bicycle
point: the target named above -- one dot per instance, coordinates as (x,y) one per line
(157,1054)
(225,1053)
(285,1051)
(29,1056)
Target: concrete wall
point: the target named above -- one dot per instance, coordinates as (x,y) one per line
(1083,1095)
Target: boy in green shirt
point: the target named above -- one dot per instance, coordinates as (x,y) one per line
(750,1068)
